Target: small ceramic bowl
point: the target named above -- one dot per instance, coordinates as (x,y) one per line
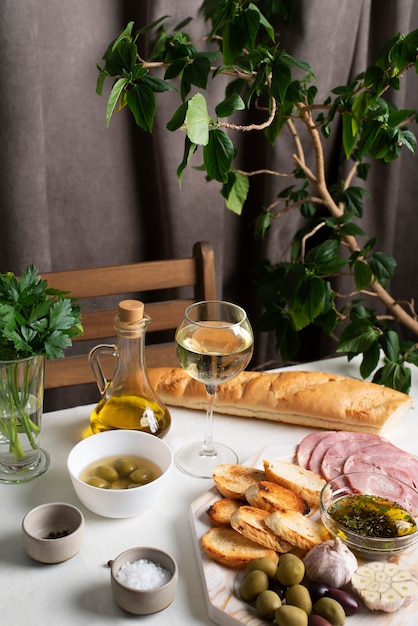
(373,486)
(120,503)
(53,532)
(144,580)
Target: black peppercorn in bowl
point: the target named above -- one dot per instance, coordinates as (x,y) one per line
(53,532)
(375,515)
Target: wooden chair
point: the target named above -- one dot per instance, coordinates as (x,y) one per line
(140,281)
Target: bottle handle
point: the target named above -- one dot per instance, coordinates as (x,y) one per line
(94,360)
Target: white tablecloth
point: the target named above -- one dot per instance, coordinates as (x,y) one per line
(77,592)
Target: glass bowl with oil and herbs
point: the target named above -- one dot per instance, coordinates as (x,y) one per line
(374,514)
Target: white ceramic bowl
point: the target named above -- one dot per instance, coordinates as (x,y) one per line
(53,532)
(144,601)
(123,502)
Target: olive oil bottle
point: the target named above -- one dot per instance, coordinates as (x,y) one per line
(128,401)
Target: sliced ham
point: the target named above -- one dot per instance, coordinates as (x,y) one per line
(315,460)
(308,444)
(332,463)
(385,458)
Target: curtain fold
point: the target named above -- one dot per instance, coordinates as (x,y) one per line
(74,193)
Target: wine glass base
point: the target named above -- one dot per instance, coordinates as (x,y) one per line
(193,461)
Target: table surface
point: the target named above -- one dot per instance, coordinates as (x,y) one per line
(77,592)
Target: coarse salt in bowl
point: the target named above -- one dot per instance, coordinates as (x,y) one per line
(144,580)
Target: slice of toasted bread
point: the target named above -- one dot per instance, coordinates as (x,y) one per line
(220,511)
(228,547)
(296,528)
(250,522)
(298,479)
(271,497)
(233,480)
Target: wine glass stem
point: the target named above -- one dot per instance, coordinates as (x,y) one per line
(207,446)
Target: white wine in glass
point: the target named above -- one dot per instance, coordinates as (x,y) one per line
(214,343)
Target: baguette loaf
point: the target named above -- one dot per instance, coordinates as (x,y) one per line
(313,399)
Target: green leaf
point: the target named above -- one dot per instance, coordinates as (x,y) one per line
(409,140)
(390,345)
(357,337)
(235,191)
(178,117)
(382,265)
(141,103)
(197,120)
(324,258)
(312,294)
(359,109)
(280,80)
(229,105)
(301,65)
(198,71)
(218,155)
(189,149)
(370,360)
(115,94)
(157,85)
(349,135)
(395,376)
(263,21)
(362,274)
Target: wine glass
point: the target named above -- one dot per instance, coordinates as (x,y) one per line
(214,343)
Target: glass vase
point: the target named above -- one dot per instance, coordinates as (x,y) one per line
(21,402)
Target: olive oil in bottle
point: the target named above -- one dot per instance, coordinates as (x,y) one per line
(128,401)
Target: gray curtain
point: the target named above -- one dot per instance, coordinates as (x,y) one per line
(74,193)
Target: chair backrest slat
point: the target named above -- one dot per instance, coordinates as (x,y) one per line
(196,272)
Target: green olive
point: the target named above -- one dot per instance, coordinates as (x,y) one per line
(254,583)
(267,603)
(330,609)
(96,481)
(288,615)
(107,472)
(141,476)
(125,466)
(120,483)
(290,570)
(298,595)
(263,563)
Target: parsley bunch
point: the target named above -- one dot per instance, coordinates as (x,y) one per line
(35,319)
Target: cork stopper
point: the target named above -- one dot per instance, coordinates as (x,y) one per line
(130,311)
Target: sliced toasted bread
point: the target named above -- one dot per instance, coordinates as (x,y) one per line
(228,547)
(233,480)
(250,522)
(220,511)
(271,497)
(298,479)
(296,528)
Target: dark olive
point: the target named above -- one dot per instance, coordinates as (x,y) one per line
(277,587)
(317,620)
(318,590)
(348,602)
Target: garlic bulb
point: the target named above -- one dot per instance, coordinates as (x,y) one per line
(330,563)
